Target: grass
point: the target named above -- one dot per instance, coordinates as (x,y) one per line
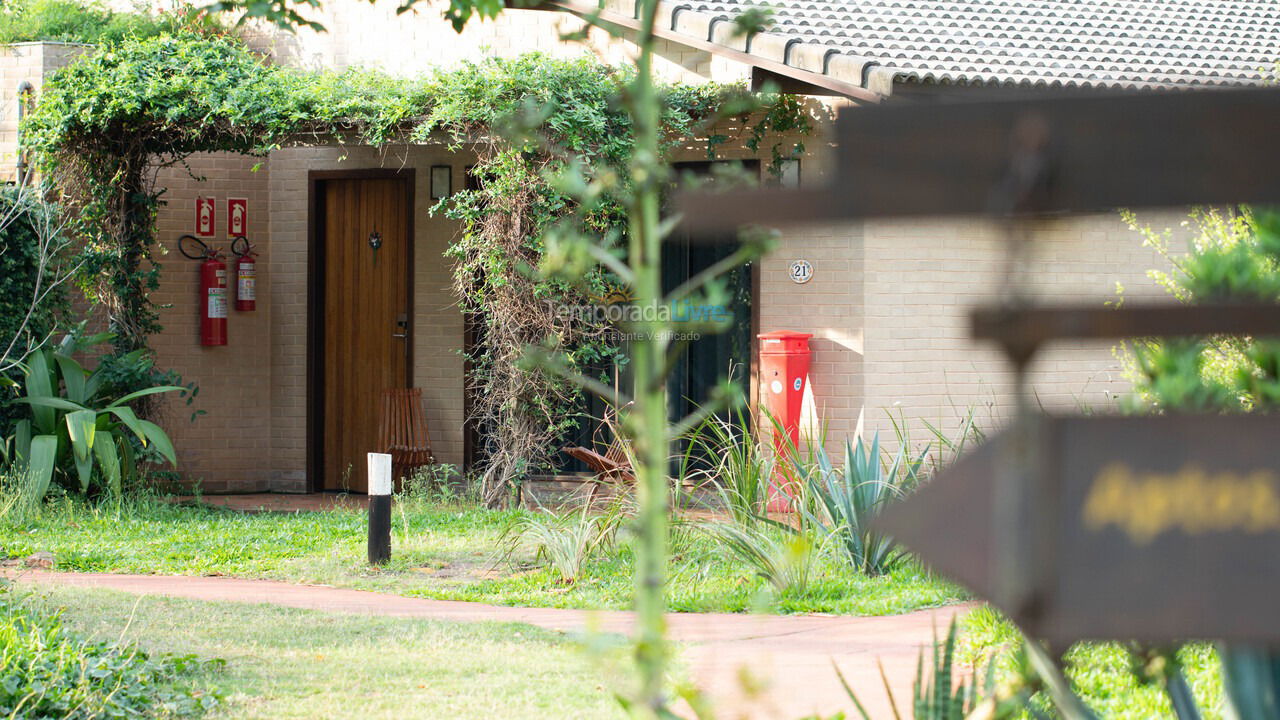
(1100,673)
(49,672)
(442,551)
(286,663)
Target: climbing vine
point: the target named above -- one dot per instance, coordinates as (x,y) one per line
(105,124)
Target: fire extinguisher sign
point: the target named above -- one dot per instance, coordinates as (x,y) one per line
(237,217)
(205,223)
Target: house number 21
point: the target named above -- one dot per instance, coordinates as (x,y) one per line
(801,272)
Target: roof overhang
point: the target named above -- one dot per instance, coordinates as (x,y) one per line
(785,77)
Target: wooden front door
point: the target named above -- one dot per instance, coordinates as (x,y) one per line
(364,237)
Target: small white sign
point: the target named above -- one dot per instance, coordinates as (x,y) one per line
(379,474)
(801,271)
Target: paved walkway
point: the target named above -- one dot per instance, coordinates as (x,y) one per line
(793,653)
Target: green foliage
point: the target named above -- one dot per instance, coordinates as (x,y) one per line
(565,542)
(1108,680)
(75,428)
(31,294)
(843,500)
(741,467)
(1236,256)
(1233,256)
(784,560)
(48,672)
(93,22)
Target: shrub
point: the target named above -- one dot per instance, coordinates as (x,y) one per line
(92,22)
(738,465)
(47,672)
(75,428)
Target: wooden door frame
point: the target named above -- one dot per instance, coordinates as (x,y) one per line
(315,302)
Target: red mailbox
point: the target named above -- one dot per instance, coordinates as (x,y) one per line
(784,373)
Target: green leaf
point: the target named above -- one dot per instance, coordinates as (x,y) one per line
(22,440)
(131,421)
(92,384)
(109,464)
(81,427)
(84,472)
(128,463)
(40,464)
(157,435)
(73,376)
(51,402)
(143,393)
(40,385)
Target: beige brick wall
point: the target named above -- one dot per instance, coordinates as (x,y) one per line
(30,62)
(229,448)
(896,340)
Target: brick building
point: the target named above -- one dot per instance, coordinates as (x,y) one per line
(887,300)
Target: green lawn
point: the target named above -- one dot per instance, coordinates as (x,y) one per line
(1101,673)
(284,663)
(439,551)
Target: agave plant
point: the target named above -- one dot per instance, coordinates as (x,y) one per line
(944,694)
(71,425)
(842,501)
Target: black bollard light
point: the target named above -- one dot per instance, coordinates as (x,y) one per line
(379,508)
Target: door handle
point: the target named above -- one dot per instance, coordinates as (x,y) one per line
(402,324)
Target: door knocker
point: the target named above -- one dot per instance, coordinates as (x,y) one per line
(375,242)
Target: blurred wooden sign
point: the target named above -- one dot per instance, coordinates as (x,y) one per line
(1028,153)
(1152,529)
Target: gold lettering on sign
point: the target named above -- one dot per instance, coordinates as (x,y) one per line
(1144,505)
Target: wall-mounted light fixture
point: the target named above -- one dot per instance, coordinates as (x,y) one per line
(441,181)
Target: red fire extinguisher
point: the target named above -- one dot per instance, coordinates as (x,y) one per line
(213,290)
(246,274)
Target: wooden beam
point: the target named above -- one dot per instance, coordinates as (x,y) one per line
(1086,152)
(1021,331)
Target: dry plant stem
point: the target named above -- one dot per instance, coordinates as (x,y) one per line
(50,272)
(522,432)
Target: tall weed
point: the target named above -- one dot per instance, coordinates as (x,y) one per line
(564,542)
(785,560)
(735,462)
